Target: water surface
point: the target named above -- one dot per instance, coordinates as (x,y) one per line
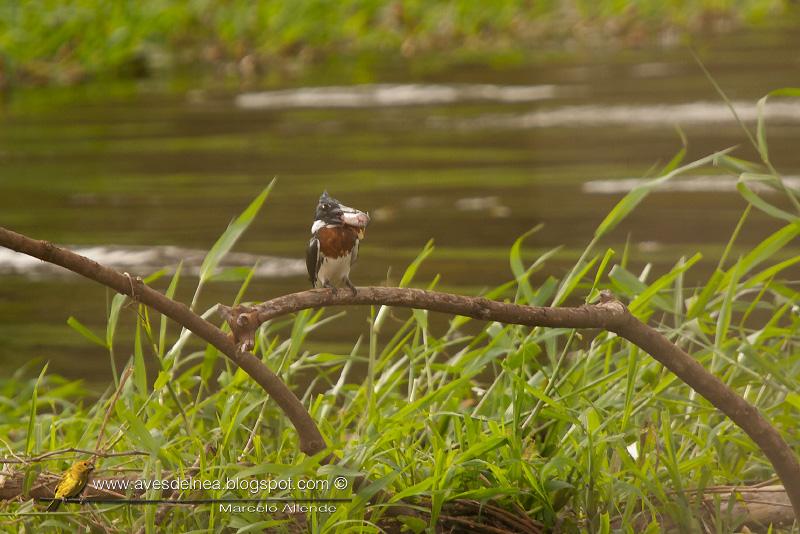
(471,157)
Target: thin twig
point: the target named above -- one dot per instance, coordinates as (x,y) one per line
(51,454)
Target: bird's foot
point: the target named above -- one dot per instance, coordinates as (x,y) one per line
(351,286)
(330,286)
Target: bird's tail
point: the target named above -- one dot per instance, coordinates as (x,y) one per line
(54,504)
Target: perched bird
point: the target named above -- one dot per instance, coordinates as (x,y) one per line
(333,248)
(72,483)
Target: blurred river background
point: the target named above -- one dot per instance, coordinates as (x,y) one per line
(143,174)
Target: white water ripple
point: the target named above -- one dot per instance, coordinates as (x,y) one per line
(626,115)
(694,184)
(379,95)
(142,261)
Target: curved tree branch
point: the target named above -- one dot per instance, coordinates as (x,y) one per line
(311,441)
(608,314)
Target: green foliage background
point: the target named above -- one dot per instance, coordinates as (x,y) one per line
(67,40)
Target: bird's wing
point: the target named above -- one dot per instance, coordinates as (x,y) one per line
(66,488)
(83,481)
(312,260)
(64,485)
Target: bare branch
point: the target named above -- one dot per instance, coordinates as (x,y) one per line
(51,454)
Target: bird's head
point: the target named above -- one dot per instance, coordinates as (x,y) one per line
(332,212)
(84,465)
(329,210)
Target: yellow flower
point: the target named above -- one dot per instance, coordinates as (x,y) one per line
(72,483)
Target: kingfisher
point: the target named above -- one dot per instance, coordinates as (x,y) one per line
(333,248)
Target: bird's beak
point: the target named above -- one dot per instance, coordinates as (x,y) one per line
(355,218)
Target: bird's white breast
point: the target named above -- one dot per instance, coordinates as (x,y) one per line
(334,270)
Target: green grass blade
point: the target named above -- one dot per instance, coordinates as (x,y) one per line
(643,298)
(518,268)
(726,308)
(139,367)
(677,159)
(599,275)
(727,101)
(417,405)
(697,304)
(111,329)
(764,250)
(85,332)
(762,204)
(245,284)
(228,239)
(572,282)
(481,449)
(138,430)
(734,237)
(113,318)
(411,270)
(625,206)
(162,330)
(29,438)
(761,130)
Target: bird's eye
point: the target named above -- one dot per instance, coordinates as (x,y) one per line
(326,206)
